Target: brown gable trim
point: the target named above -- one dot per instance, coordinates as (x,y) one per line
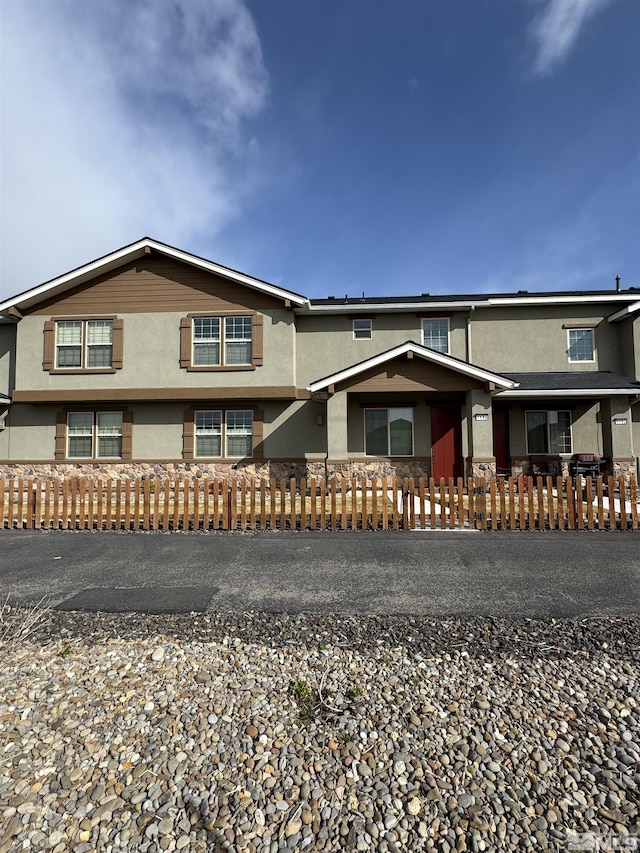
(116,395)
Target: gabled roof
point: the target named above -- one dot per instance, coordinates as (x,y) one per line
(422,352)
(131,253)
(596,383)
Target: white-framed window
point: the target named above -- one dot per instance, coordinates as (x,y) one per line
(362,329)
(388,432)
(230,431)
(435,333)
(206,341)
(221,341)
(94,435)
(84,344)
(580,345)
(549,432)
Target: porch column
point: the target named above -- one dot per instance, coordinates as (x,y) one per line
(337,426)
(617,437)
(480,459)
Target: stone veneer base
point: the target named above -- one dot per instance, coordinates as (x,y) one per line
(146,470)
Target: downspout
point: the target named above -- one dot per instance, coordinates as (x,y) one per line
(470,315)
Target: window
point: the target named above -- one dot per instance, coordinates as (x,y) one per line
(225,342)
(581,345)
(362,329)
(549,432)
(94,434)
(388,432)
(206,341)
(435,333)
(83,345)
(231,430)
(237,340)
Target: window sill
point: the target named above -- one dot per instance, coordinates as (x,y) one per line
(78,371)
(90,460)
(226,459)
(224,368)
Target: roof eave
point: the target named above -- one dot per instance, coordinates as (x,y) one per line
(569,392)
(624,312)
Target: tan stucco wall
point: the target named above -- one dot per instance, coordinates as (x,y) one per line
(7,356)
(325,344)
(152,357)
(628,348)
(290,430)
(30,433)
(533,339)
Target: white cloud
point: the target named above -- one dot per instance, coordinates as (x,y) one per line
(556,29)
(122,119)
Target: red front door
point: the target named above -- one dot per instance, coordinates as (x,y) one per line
(446,453)
(501,439)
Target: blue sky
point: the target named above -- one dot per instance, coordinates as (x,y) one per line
(333,147)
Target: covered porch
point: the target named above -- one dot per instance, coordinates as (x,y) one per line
(566,424)
(412,412)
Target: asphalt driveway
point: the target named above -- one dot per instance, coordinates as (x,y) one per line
(444,573)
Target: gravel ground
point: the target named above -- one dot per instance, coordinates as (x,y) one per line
(266,732)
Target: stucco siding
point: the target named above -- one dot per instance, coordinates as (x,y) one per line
(30,434)
(506,339)
(7,357)
(325,344)
(152,357)
(291,431)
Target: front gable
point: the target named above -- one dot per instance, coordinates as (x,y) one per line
(411,367)
(147,274)
(415,374)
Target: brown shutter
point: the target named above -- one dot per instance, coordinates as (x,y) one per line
(258,434)
(127,435)
(61,436)
(188,435)
(185,341)
(49,355)
(117,353)
(257,343)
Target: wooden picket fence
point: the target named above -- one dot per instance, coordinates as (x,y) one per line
(163,503)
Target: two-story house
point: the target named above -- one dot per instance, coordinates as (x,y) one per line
(151,357)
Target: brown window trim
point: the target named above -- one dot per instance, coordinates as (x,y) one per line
(580,325)
(189,432)
(49,354)
(60,453)
(186,342)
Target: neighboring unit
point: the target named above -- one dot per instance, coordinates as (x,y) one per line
(154,359)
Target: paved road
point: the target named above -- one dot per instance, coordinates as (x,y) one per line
(520,574)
